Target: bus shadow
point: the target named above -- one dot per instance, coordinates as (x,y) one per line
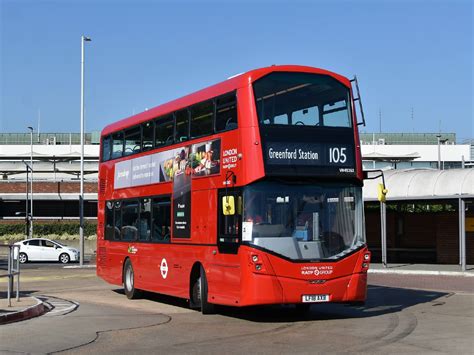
(158,297)
(381,300)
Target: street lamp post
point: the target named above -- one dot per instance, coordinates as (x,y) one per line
(27,218)
(31,181)
(81,197)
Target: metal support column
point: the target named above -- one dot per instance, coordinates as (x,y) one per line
(462,234)
(383,232)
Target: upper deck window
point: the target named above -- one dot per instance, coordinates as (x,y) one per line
(302,99)
(106,148)
(226,113)
(147,134)
(132,140)
(117,145)
(164,131)
(201,119)
(182,126)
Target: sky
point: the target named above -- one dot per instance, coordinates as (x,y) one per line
(413,59)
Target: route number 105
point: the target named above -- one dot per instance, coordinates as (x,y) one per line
(337,155)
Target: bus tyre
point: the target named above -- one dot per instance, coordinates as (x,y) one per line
(129,281)
(200,294)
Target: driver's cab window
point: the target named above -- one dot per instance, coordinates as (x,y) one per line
(161,220)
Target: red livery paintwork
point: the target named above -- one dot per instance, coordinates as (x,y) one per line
(161,225)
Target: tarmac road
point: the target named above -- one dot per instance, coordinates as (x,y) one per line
(394,320)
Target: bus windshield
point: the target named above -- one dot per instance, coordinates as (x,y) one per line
(302,99)
(302,221)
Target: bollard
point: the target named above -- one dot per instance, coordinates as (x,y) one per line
(18,272)
(10,280)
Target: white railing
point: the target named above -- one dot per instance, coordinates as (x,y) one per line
(12,271)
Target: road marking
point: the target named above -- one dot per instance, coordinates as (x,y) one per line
(58,306)
(49,278)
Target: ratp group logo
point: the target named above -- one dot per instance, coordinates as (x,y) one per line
(317,270)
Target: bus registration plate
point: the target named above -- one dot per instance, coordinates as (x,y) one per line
(315,298)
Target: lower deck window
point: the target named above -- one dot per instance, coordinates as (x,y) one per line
(146,219)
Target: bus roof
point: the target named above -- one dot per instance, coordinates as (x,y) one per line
(224,87)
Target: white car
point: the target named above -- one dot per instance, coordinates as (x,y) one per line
(40,249)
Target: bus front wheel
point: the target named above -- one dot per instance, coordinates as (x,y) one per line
(199,294)
(129,281)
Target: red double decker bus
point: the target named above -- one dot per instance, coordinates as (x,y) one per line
(248,192)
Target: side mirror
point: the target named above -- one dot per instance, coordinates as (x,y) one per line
(382,193)
(228,205)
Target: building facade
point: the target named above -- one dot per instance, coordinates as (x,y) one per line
(56,176)
(415,150)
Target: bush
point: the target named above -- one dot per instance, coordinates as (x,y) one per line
(43,229)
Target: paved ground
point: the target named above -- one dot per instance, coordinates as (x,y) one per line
(90,316)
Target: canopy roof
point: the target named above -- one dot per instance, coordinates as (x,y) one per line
(422,184)
(392,158)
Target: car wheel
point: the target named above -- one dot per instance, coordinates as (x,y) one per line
(64,258)
(199,294)
(23,258)
(129,281)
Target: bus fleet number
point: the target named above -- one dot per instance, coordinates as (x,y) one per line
(337,155)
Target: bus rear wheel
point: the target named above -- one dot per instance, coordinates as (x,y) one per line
(129,281)
(199,294)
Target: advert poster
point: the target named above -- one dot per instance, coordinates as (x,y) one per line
(178,165)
